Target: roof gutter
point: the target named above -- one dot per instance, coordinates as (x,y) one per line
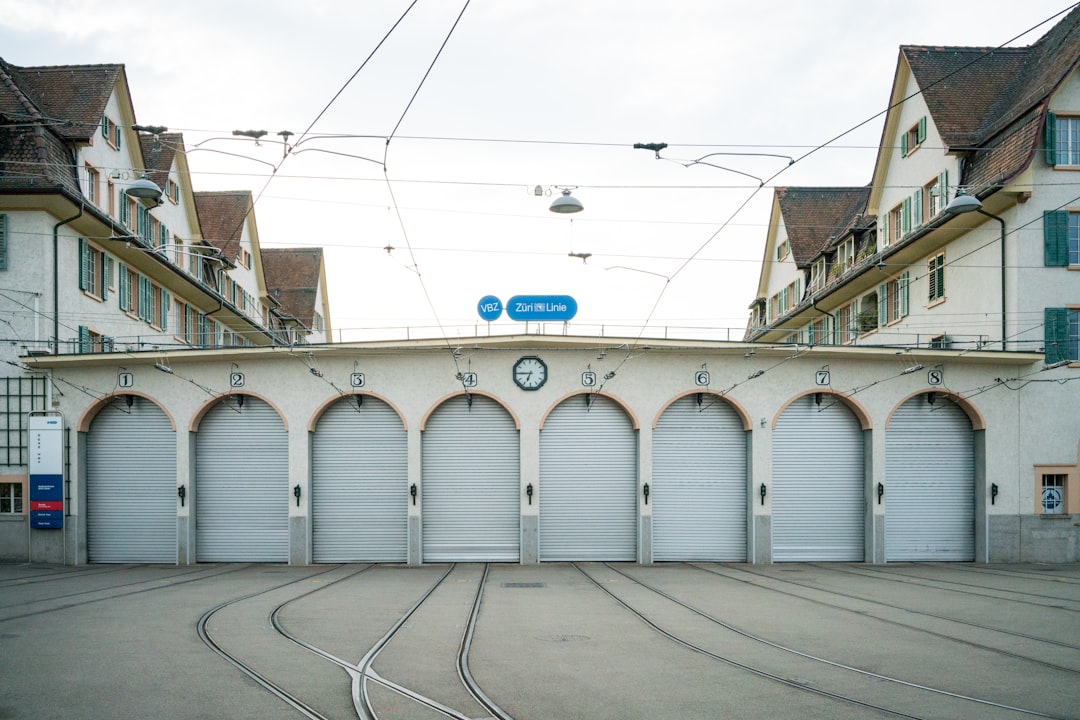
(56,276)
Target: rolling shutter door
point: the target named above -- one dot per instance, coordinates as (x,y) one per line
(930,475)
(471,473)
(131,485)
(818,498)
(588,482)
(242,486)
(699,483)
(359,477)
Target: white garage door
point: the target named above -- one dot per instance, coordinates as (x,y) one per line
(471,475)
(930,475)
(699,482)
(818,496)
(588,482)
(131,484)
(359,478)
(242,483)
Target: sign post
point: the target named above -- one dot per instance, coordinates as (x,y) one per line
(46,472)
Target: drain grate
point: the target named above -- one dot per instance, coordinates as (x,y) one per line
(524,584)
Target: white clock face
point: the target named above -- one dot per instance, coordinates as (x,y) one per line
(530,373)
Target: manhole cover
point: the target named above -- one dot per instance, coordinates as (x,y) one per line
(524,584)
(563,638)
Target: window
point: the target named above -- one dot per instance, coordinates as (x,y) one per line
(935,195)
(935,276)
(782,250)
(93,181)
(172,191)
(817,274)
(893,300)
(1062,140)
(846,329)
(243,258)
(1061,238)
(1062,338)
(1052,495)
(93,270)
(91,341)
(110,131)
(11,498)
(110,198)
(819,332)
(913,138)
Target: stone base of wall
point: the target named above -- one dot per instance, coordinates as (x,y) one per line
(13,544)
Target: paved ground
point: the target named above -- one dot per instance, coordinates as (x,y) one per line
(550,641)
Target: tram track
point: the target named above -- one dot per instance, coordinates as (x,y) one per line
(897,623)
(161,584)
(1042,575)
(984,703)
(896,576)
(73,572)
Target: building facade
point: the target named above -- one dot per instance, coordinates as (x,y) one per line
(90,265)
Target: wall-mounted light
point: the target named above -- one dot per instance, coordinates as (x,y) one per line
(129,400)
(931,397)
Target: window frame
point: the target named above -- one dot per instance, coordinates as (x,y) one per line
(935,279)
(13,493)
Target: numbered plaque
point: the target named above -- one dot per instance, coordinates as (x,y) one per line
(125,380)
(822,377)
(357,380)
(588,379)
(469,379)
(702,377)
(236,379)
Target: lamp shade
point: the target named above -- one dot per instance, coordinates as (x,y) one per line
(962,204)
(566,203)
(144,188)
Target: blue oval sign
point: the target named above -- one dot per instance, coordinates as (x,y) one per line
(489,307)
(541,307)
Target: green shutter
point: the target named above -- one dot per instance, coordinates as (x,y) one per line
(104,276)
(917,208)
(1056,324)
(125,292)
(125,212)
(116,128)
(903,145)
(105,126)
(883,230)
(85,346)
(905,217)
(921,131)
(905,281)
(883,305)
(1055,238)
(3,242)
(84,263)
(943,189)
(1050,136)
(164,236)
(165,300)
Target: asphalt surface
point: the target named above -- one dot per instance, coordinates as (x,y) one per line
(586,640)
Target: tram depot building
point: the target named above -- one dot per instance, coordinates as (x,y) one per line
(906,389)
(535,449)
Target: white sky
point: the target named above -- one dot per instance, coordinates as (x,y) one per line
(566,89)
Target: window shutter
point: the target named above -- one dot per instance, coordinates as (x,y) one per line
(917,208)
(1055,238)
(883,305)
(1050,136)
(164,237)
(3,242)
(905,281)
(85,346)
(883,230)
(165,300)
(943,189)
(1056,325)
(104,277)
(921,131)
(931,278)
(903,145)
(84,260)
(125,211)
(105,126)
(905,217)
(116,129)
(122,281)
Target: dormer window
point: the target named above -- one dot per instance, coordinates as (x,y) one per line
(817,274)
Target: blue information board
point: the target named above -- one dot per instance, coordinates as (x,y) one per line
(46,472)
(541,307)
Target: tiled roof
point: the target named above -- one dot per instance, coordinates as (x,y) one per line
(222,216)
(994,99)
(158,153)
(814,215)
(292,276)
(73,96)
